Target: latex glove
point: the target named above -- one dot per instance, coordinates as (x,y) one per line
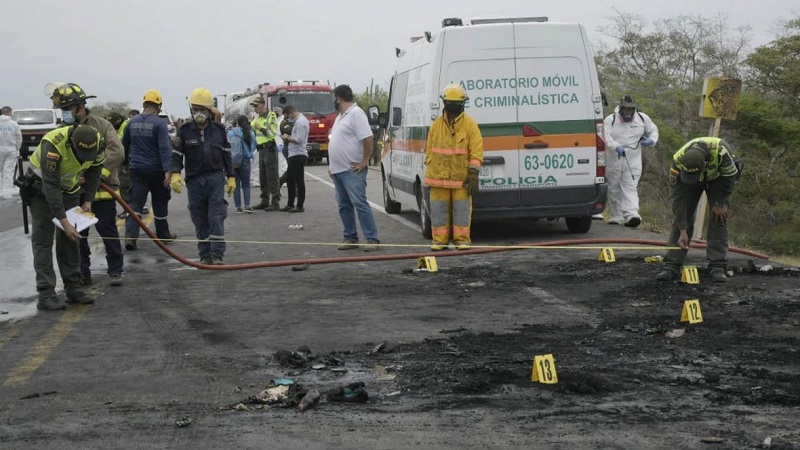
(683,240)
(719,213)
(176,182)
(620,151)
(647,142)
(231,186)
(473,183)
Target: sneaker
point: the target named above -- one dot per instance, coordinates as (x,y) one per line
(438,247)
(614,222)
(287,208)
(79,298)
(122,215)
(217,260)
(598,217)
(667,275)
(170,239)
(272,208)
(347,244)
(248,210)
(86,279)
(145,211)
(718,275)
(116,279)
(633,222)
(206,260)
(463,246)
(372,246)
(130,244)
(51,303)
(297,209)
(239,210)
(261,205)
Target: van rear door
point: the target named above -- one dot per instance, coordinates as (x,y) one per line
(556,113)
(481,59)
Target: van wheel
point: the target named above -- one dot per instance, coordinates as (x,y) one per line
(579,224)
(424,215)
(391,206)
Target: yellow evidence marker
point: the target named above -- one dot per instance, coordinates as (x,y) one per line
(607,255)
(544,370)
(689,275)
(428,263)
(691,312)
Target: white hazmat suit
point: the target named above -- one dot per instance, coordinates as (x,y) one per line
(623,172)
(10,143)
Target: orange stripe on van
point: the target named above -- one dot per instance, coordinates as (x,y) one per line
(497,143)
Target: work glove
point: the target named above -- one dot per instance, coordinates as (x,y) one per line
(620,151)
(176,182)
(230,186)
(647,142)
(472,184)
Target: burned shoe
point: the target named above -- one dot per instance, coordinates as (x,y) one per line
(718,275)
(51,303)
(667,275)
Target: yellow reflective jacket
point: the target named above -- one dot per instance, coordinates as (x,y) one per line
(70,169)
(121,131)
(451,150)
(270,122)
(720,160)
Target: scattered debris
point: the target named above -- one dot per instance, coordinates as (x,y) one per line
(309,401)
(273,395)
(380,348)
(282,381)
(712,440)
(301,267)
(767,442)
(319,366)
(38,394)
(3,312)
(183,422)
(237,390)
(297,359)
(672,334)
(240,407)
(296,226)
(654,259)
(394,393)
(353,392)
(641,304)
(339,369)
(453,330)
(477,284)
(383,374)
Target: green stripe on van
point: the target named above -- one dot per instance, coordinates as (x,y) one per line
(515,129)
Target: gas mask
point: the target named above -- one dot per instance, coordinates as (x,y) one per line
(454,108)
(627,113)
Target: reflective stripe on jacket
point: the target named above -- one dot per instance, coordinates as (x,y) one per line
(719,161)
(270,122)
(451,150)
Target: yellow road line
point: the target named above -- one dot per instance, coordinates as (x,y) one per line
(20,374)
(9,334)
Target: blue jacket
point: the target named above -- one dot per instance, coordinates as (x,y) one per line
(147,144)
(248,151)
(202,151)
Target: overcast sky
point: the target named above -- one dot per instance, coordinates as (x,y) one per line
(118,50)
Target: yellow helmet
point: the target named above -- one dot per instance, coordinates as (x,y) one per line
(152,96)
(454,93)
(201,97)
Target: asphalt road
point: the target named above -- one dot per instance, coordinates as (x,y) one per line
(175,342)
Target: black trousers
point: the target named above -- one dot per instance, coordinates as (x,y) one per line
(295,180)
(106,226)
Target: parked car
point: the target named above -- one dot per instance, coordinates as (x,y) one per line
(35,123)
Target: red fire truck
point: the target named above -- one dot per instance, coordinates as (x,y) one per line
(312,98)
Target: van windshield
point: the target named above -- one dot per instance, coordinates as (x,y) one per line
(34,117)
(309,102)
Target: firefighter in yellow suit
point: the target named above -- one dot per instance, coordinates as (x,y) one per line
(453,158)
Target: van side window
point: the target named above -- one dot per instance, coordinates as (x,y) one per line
(398,100)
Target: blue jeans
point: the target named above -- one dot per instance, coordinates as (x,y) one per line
(351,196)
(242,184)
(142,183)
(208,210)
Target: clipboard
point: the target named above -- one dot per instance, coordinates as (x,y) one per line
(79,218)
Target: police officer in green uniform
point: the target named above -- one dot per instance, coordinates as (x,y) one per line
(702,165)
(57,165)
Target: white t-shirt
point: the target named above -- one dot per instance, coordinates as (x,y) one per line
(345,148)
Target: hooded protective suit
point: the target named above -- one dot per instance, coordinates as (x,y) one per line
(623,172)
(10,143)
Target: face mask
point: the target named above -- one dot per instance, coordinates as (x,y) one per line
(200,117)
(627,113)
(67,117)
(454,108)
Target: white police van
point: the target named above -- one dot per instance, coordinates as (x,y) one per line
(533,90)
